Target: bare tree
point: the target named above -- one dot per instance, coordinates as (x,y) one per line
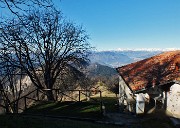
(44,45)
(22,6)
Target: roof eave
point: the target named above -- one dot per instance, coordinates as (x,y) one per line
(125,81)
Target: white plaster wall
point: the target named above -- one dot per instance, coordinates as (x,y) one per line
(140,103)
(173,100)
(125,95)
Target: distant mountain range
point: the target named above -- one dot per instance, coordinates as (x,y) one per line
(122,57)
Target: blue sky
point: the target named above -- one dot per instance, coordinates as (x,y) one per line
(114,24)
(126,24)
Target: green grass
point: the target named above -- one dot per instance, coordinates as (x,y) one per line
(72,109)
(86,109)
(15,121)
(110,104)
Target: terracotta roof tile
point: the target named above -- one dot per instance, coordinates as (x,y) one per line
(153,71)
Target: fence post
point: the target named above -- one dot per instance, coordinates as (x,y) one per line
(37,94)
(79,95)
(25,105)
(101,109)
(14,107)
(56,94)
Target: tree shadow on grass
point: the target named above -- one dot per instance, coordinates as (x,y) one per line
(68,108)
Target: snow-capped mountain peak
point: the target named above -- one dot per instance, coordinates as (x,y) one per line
(148,49)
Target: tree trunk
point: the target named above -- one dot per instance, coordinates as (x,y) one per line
(50,96)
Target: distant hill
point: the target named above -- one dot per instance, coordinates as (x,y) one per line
(110,58)
(120,58)
(98,70)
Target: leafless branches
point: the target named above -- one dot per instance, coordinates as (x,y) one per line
(18,7)
(45,44)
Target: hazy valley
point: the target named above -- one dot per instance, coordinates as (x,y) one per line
(119,58)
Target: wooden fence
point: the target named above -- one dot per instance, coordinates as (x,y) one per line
(37,95)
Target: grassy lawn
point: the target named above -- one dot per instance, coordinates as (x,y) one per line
(84,109)
(110,104)
(14,121)
(70,109)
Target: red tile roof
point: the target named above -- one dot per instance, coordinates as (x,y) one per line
(153,71)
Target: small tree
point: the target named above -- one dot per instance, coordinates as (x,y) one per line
(44,44)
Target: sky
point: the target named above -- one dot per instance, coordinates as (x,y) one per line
(126,24)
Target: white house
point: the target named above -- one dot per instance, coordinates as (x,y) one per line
(156,78)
